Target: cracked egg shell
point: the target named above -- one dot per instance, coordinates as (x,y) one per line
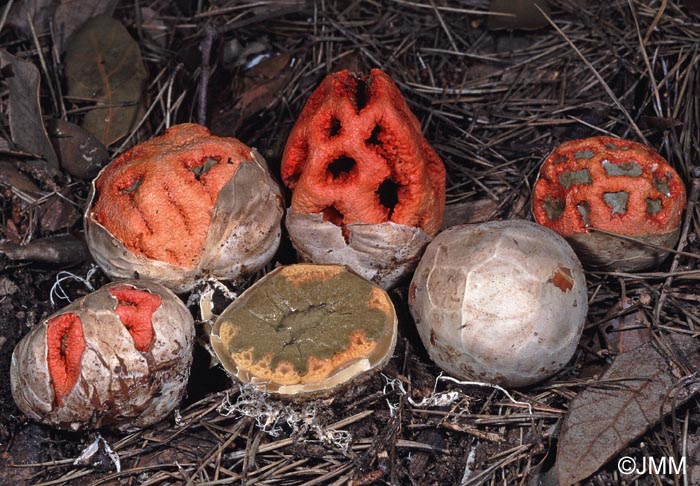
(615,185)
(503,302)
(368,191)
(118,358)
(183,206)
(306,330)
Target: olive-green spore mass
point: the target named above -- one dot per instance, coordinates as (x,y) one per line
(294,320)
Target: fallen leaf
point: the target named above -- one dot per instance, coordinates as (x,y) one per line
(103,63)
(70,15)
(603,421)
(79,151)
(38,11)
(26,125)
(474,211)
(627,331)
(518,14)
(56,213)
(262,84)
(11,177)
(154,28)
(256,89)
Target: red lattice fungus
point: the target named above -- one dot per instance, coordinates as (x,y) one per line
(614,185)
(368,191)
(357,155)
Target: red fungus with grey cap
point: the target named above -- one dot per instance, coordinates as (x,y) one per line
(614,185)
(368,191)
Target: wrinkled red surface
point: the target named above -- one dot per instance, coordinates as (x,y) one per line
(152,200)
(135,309)
(567,157)
(65,345)
(366,119)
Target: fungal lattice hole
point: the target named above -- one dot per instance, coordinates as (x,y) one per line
(130,186)
(584,154)
(332,215)
(661,185)
(362,93)
(341,166)
(388,193)
(374,136)
(571,177)
(554,208)
(616,201)
(334,127)
(204,166)
(584,210)
(629,169)
(613,146)
(653,206)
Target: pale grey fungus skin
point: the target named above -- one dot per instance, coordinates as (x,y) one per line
(503,302)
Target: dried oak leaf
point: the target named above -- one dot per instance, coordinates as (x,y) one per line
(603,421)
(103,63)
(26,125)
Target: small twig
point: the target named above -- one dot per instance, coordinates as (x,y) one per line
(209,35)
(690,209)
(42,61)
(5,11)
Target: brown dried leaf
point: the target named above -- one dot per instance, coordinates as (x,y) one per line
(103,63)
(519,14)
(81,154)
(602,421)
(11,177)
(259,87)
(71,14)
(56,213)
(26,125)
(36,11)
(474,211)
(627,332)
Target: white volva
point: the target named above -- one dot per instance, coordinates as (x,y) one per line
(503,302)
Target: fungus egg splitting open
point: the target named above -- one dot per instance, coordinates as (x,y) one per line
(614,185)
(118,357)
(305,330)
(183,206)
(368,191)
(503,302)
